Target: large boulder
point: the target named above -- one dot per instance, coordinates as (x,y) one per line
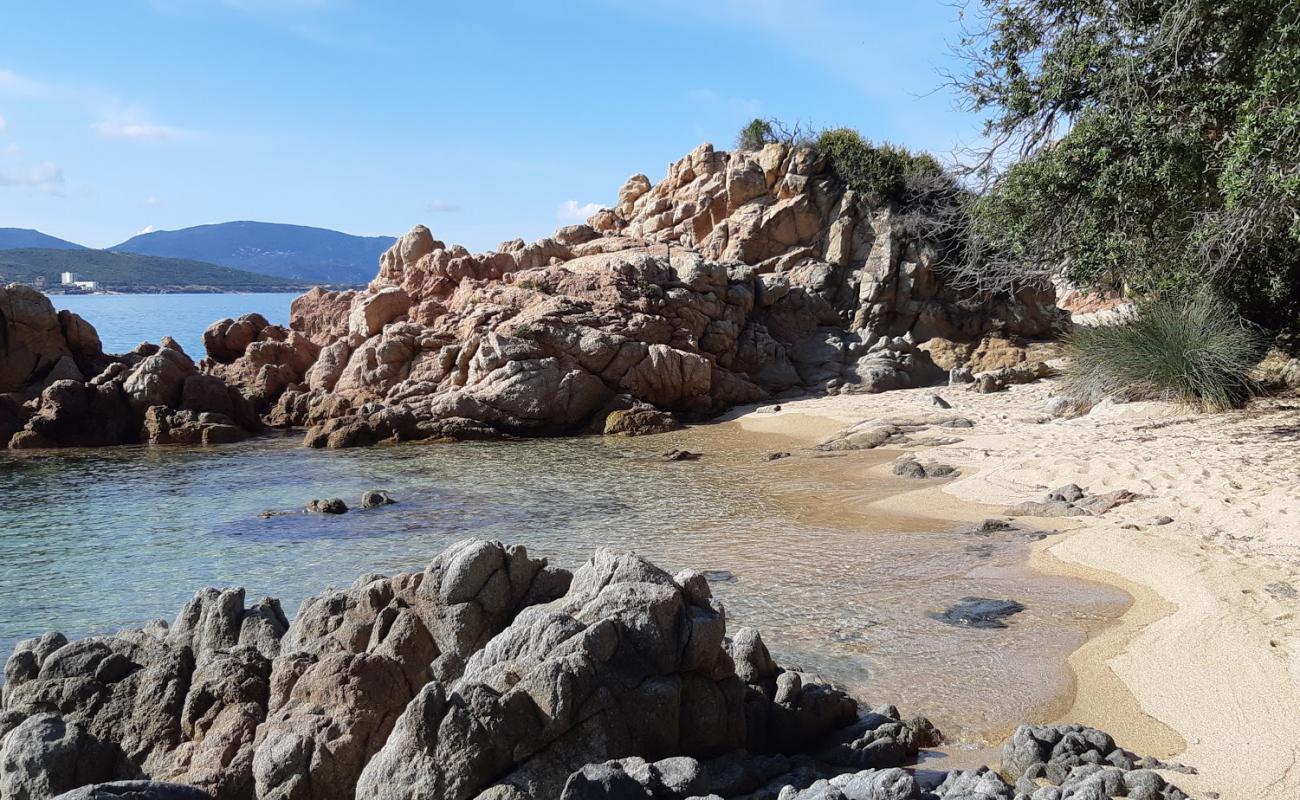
(32,341)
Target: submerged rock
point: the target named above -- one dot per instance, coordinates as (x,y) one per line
(679,455)
(375,498)
(331,505)
(979,612)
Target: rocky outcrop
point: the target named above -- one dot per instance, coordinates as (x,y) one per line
(738,277)
(61,390)
(260,359)
(489,675)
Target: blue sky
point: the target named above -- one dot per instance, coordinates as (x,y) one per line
(483,120)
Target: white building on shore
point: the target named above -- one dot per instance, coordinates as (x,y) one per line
(73,279)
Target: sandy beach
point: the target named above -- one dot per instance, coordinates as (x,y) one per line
(1201,668)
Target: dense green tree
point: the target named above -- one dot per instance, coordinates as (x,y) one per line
(1149,143)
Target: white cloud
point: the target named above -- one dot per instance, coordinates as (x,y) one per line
(135,131)
(443,207)
(12,148)
(145,229)
(46,176)
(574,212)
(153,200)
(4,124)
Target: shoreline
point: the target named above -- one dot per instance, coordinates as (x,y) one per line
(1199,667)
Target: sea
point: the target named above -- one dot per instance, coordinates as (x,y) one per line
(126,320)
(92,541)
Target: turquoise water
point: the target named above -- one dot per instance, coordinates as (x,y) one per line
(126,320)
(96,540)
(93,541)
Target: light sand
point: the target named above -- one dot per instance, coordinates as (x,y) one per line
(1203,666)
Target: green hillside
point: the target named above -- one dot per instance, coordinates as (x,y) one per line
(129,272)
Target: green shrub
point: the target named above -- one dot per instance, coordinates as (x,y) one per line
(756,134)
(1193,348)
(535,286)
(882,172)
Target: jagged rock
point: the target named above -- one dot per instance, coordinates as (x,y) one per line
(260,359)
(487,675)
(85,398)
(1071,501)
(772,277)
(136,790)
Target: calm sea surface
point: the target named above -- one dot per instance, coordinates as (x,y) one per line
(91,541)
(126,320)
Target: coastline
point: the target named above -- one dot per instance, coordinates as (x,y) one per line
(1198,669)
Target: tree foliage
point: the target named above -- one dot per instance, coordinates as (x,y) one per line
(756,133)
(1153,144)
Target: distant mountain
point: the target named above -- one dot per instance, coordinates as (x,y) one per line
(286,251)
(129,272)
(13,238)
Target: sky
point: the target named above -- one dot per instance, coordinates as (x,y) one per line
(483,120)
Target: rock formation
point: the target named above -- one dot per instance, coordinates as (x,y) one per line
(488,675)
(59,389)
(738,277)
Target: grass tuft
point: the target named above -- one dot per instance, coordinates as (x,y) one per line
(1194,349)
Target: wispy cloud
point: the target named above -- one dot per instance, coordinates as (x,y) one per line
(135,131)
(443,207)
(711,97)
(4,124)
(12,148)
(153,201)
(145,229)
(114,117)
(573,212)
(15,85)
(46,177)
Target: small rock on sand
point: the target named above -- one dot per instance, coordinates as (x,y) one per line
(1281,589)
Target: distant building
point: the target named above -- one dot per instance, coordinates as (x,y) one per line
(74,280)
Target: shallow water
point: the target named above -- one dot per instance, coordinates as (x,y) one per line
(125,320)
(96,540)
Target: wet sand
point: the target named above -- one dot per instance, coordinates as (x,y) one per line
(895,551)
(1202,666)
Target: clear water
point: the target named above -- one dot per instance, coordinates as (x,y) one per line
(94,540)
(125,320)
